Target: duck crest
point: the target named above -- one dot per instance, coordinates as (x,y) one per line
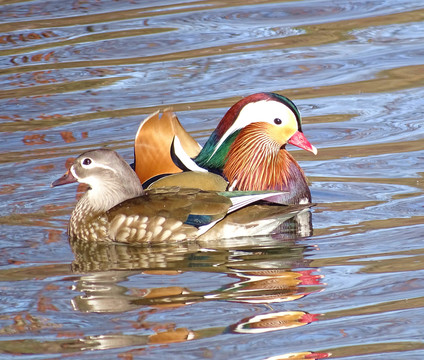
(255,162)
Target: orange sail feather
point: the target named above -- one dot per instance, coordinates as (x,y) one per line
(153,143)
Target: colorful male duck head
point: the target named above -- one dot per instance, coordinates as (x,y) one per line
(262,122)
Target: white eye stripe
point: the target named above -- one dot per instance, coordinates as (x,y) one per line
(95,164)
(259,111)
(99,165)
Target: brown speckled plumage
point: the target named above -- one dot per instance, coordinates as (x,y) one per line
(122,223)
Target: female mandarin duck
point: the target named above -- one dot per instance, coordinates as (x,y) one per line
(247,149)
(116,208)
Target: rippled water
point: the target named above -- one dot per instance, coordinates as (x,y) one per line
(80,74)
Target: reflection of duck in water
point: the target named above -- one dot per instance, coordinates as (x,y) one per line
(247,149)
(259,274)
(115,207)
(101,297)
(269,286)
(304,355)
(255,270)
(273,321)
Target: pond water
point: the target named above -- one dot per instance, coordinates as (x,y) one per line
(77,75)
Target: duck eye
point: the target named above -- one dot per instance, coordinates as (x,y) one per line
(86,161)
(277,121)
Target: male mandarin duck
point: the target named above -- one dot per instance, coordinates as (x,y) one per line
(116,208)
(247,149)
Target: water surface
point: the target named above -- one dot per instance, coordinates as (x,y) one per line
(83,74)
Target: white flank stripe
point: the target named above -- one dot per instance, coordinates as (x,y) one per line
(184,158)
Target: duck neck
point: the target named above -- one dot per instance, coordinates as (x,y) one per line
(213,155)
(96,202)
(255,163)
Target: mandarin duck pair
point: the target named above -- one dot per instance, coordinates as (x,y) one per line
(193,192)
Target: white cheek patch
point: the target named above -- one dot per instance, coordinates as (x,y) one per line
(260,111)
(92,181)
